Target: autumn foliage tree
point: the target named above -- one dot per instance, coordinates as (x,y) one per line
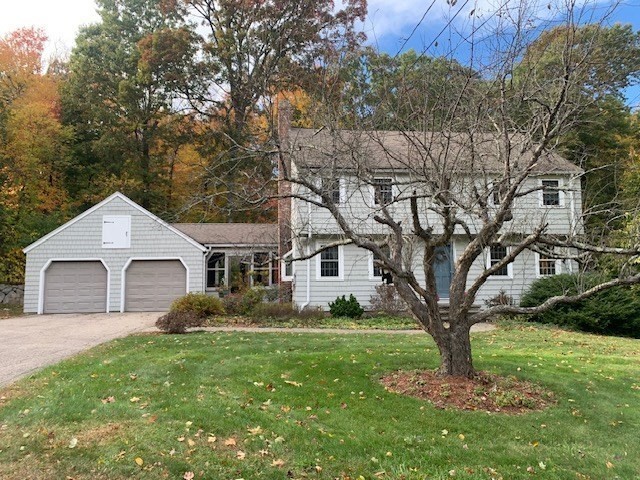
(33,148)
(120,99)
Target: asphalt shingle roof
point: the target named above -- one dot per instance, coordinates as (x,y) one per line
(231,233)
(417,152)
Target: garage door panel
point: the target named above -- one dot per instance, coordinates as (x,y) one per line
(75,287)
(151,285)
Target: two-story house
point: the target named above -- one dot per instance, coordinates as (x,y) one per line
(370,176)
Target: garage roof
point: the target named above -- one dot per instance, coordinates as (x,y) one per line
(231,233)
(104,202)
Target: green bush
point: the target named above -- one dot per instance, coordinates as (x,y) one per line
(612,312)
(200,304)
(346,308)
(178,322)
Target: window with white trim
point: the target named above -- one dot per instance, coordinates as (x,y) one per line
(331,186)
(216,270)
(383,191)
(264,269)
(496,197)
(377,271)
(287,266)
(551,194)
(497,253)
(547,265)
(330,263)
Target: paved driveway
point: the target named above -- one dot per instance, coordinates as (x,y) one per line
(31,342)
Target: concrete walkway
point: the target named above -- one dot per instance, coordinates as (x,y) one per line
(31,342)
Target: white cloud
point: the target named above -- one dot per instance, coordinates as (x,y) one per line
(59,19)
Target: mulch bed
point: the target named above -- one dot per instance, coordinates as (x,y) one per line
(485,392)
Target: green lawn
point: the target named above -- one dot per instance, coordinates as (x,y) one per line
(277,406)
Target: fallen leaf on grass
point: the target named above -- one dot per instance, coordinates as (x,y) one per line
(109,400)
(255,431)
(230,442)
(211,440)
(191,442)
(139,461)
(277,463)
(609,465)
(73,442)
(134,399)
(240,455)
(188,475)
(295,384)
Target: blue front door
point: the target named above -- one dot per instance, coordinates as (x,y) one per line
(442,268)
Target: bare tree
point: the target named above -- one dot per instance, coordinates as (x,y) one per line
(473,176)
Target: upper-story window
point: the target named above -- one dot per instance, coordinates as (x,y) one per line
(547,265)
(551,194)
(383,191)
(331,186)
(497,253)
(496,197)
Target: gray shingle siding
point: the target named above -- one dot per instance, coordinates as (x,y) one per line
(83,240)
(357,280)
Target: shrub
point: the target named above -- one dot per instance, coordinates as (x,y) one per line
(200,304)
(386,300)
(346,308)
(178,322)
(615,311)
(276,311)
(243,303)
(502,298)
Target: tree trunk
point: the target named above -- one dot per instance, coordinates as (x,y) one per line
(455,352)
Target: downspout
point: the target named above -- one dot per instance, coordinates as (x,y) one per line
(206,254)
(308,300)
(572,215)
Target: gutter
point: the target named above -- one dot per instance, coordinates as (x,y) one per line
(308,261)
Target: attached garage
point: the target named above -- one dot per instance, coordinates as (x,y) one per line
(75,286)
(151,285)
(114,257)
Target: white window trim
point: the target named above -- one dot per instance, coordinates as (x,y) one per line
(342,188)
(371,275)
(283,267)
(509,274)
(558,267)
(561,195)
(340,276)
(206,270)
(372,190)
(492,190)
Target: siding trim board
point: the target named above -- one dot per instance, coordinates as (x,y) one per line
(123,276)
(43,271)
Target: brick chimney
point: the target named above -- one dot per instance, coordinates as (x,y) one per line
(284,188)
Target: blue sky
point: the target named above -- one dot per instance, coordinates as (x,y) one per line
(392,25)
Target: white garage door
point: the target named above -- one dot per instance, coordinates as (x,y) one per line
(75,287)
(151,285)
